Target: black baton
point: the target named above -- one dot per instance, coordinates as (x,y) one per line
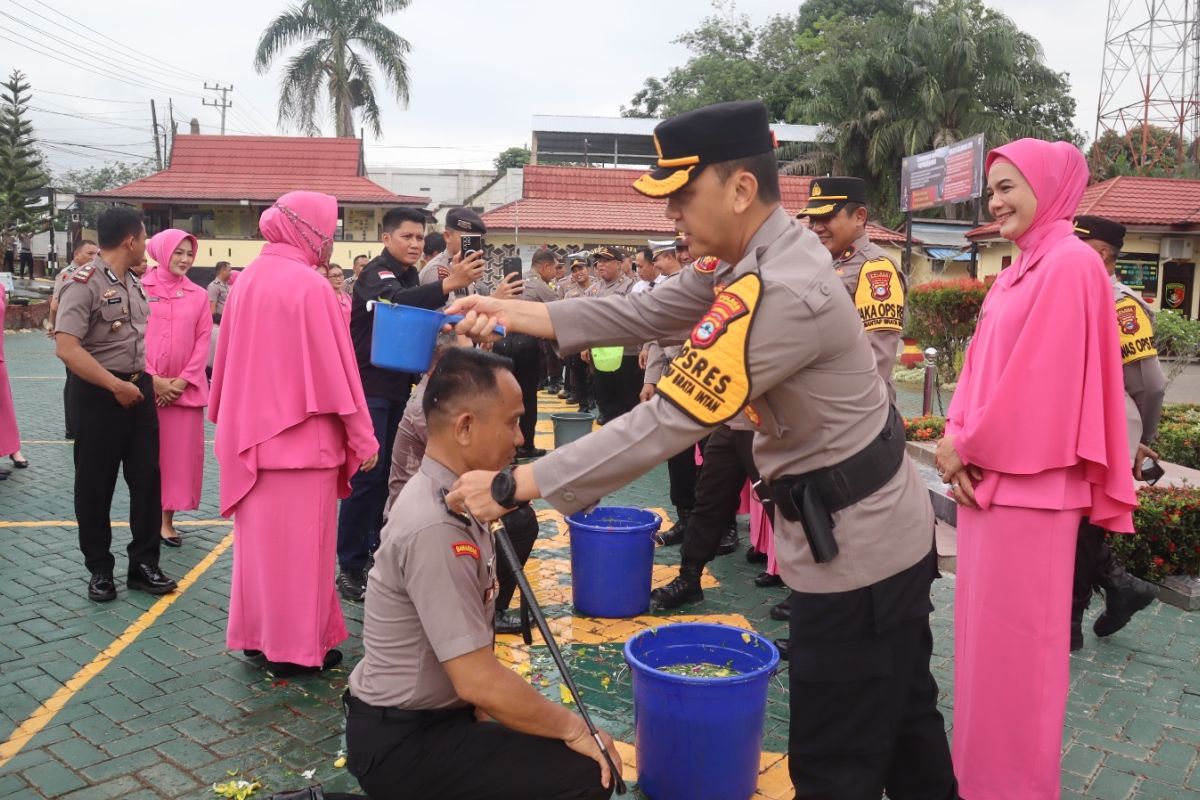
(514,563)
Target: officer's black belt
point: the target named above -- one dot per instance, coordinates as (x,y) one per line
(132,377)
(812,498)
(352,703)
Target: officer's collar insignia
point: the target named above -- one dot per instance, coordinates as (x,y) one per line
(112,276)
(463,518)
(849,251)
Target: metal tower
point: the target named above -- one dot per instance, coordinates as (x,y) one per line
(1150,78)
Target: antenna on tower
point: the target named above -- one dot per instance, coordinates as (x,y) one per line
(1149,83)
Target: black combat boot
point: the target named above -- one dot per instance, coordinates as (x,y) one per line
(684,589)
(1124,596)
(675,535)
(729,541)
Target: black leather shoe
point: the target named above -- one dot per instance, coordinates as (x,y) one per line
(102,588)
(684,589)
(783,645)
(1124,596)
(766,580)
(252,653)
(563,394)
(285,669)
(530,452)
(309,793)
(352,584)
(729,541)
(782,611)
(149,579)
(508,622)
(755,557)
(1076,636)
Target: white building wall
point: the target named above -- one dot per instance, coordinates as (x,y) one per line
(446,187)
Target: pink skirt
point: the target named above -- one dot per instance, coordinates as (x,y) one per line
(762,533)
(1012,612)
(282,597)
(181,456)
(10,435)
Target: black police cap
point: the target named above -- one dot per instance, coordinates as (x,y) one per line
(1106,230)
(608,253)
(687,143)
(464,220)
(828,195)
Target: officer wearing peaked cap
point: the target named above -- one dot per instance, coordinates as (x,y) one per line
(1096,568)
(771,337)
(837,213)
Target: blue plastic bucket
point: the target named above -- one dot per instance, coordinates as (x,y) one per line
(699,738)
(612,560)
(403,337)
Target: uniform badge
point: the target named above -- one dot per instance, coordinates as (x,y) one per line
(881,283)
(109,293)
(1136,331)
(847,253)
(727,308)
(117,325)
(879,296)
(385,274)
(466,549)
(1127,319)
(112,301)
(706,265)
(112,277)
(753,416)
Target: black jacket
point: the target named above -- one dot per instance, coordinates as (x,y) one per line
(385,278)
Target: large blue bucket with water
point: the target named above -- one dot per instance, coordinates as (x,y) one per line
(699,738)
(612,560)
(403,337)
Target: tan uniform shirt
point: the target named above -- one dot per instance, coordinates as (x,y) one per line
(575,290)
(431,598)
(412,436)
(877,288)
(61,278)
(815,399)
(538,290)
(1145,382)
(108,316)
(218,293)
(657,352)
(621,287)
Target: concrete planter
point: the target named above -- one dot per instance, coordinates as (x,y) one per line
(30,317)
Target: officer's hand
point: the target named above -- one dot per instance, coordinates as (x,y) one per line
(369,464)
(488,305)
(1143,452)
(464,272)
(472,494)
(584,744)
(478,326)
(586,355)
(643,355)
(127,394)
(511,287)
(647,392)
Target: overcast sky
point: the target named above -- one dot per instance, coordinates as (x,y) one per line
(479,69)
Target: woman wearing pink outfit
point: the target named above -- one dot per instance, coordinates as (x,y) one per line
(1035,441)
(10,435)
(177,339)
(337,279)
(292,427)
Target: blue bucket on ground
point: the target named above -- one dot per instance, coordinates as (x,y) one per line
(403,337)
(612,560)
(699,738)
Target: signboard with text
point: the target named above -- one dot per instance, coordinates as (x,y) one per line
(942,177)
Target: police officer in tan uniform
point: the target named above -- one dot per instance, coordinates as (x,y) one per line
(772,337)
(578,372)
(617,391)
(1096,568)
(429,677)
(85,251)
(837,213)
(100,333)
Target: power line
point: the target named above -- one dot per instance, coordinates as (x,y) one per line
(94,99)
(88,119)
(94,147)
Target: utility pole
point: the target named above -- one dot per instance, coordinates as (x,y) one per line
(154,131)
(223,103)
(167,149)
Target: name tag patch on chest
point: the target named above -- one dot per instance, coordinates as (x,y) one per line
(1137,332)
(709,380)
(466,549)
(879,296)
(112,301)
(384,274)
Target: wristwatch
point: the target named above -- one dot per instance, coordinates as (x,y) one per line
(504,489)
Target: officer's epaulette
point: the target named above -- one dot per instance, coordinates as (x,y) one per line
(706,265)
(84,273)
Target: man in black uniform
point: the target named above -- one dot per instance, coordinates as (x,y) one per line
(100,334)
(392,276)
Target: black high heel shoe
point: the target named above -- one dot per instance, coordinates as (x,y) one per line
(22,464)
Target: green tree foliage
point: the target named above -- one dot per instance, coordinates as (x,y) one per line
(513,158)
(109,175)
(1148,151)
(22,177)
(340,39)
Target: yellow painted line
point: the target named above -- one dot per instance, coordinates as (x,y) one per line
(70,523)
(49,709)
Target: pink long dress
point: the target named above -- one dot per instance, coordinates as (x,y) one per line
(292,427)
(177,344)
(1040,410)
(10,435)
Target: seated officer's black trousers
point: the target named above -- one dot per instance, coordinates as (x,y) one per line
(864,715)
(108,439)
(449,756)
(728,461)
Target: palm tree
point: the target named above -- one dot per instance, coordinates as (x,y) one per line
(339,38)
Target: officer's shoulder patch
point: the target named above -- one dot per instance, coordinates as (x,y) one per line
(879,296)
(706,265)
(1136,331)
(709,379)
(466,549)
(385,274)
(84,273)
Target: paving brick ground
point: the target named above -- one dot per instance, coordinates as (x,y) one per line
(173,712)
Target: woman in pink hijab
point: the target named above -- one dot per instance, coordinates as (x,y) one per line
(1035,441)
(292,427)
(10,435)
(177,339)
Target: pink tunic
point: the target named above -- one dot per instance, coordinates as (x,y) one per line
(10,435)
(177,343)
(344,302)
(1040,410)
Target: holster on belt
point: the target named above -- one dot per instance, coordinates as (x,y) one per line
(812,498)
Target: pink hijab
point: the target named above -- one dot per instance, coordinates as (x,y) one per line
(1042,387)
(161,247)
(284,353)
(178,354)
